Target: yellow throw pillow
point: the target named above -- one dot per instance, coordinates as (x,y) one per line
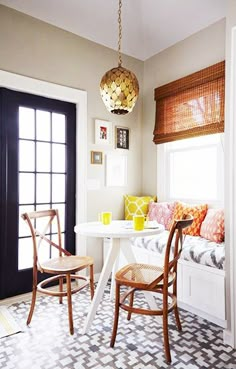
(197,211)
(137,205)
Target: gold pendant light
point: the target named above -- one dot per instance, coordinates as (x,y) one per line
(119,86)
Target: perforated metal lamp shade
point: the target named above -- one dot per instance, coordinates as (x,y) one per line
(119,89)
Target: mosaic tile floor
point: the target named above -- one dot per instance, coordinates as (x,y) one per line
(48,345)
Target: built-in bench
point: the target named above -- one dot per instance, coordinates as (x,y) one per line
(201,274)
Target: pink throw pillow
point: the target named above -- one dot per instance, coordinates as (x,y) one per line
(162,212)
(213,226)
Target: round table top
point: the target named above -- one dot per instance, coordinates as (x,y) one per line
(117,229)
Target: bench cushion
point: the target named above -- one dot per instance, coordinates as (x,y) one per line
(195,249)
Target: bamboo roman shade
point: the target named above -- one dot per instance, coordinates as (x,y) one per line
(191,106)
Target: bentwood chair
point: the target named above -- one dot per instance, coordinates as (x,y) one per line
(50,257)
(144,277)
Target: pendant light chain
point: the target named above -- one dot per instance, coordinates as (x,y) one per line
(120,34)
(119,86)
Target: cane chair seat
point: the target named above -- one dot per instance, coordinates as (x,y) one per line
(141,275)
(66,264)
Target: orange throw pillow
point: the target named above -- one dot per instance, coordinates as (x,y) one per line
(197,211)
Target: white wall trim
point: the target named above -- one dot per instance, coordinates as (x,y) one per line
(230,188)
(79,97)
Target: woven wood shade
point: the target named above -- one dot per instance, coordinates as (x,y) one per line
(191,106)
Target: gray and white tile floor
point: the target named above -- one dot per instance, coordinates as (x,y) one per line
(47,344)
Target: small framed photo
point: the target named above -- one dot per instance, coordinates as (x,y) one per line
(96,157)
(103,132)
(122,138)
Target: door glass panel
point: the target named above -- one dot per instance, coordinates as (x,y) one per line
(58,188)
(25,253)
(43,207)
(61,210)
(54,251)
(26,156)
(58,158)
(58,128)
(43,157)
(26,123)
(26,188)
(43,188)
(23,226)
(43,251)
(43,125)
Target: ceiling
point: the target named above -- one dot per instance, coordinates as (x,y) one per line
(148,26)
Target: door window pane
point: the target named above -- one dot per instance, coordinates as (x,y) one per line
(26,188)
(58,127)
(45,206)
(43,157)
(24,229)
(43,188)
(26,156)
(61,210)
(58,188)
(58,158)
(25,253)
(54,251)
(43,125)
(26,123)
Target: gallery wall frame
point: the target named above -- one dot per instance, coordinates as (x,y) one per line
(116,170)
(122,137)
(96,157)
(103,132)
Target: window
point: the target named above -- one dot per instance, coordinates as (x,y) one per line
(192,170)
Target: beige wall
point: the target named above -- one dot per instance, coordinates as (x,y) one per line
(202,49)
(33,48)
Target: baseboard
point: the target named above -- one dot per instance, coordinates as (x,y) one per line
(220,322)
(228,338)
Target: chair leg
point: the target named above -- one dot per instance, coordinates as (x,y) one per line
(165,327)
(60,289)
(33,299)
(91,279)
(116,316)
(176,310)
(177,319)
(131,302)
(69,301)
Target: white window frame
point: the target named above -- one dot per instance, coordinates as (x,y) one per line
(163,171)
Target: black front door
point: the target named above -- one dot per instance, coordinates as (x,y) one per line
(37,164)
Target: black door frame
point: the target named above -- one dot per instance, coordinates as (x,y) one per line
(12,281)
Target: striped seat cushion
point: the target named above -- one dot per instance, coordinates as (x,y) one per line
(195,248)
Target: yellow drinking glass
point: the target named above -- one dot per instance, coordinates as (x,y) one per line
(106,217)
(138,222)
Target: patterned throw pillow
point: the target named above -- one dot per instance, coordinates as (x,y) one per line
(213,226)
(197,211)
(162,212)
(137,205)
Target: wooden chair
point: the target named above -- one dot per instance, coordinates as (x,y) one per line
(143,277)
(61,264)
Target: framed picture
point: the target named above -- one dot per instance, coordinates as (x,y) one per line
(96,157)
(116,170)
(103,132)
(122,138)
